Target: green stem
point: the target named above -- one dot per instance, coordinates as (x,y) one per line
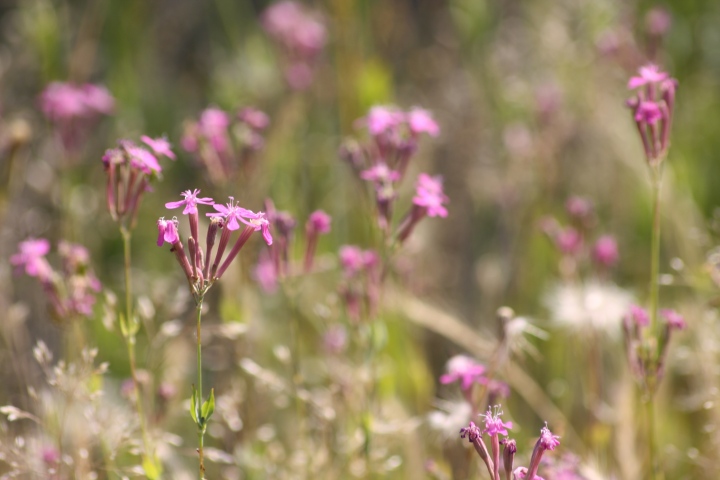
(201,431)
(655,252)
(650,427)
(129,337)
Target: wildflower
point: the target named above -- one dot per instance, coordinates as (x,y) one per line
(318,224)
(493,423)
(160,146)
(73,109)
(509,451)
(521,473)
(167,231)
(605,251)
(302,36)
(32,257)
(382,119)
(569,241)
(380,174)
(547,441)
(637,316)
(465,370)
(673,319)
(191,201)
(429,194)
(652,108)
(474,436)
(421,121)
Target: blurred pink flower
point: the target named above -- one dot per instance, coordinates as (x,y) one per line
(254,118)
(141,158)
(352,259)
(578,207)
(380,173)
(63,101)
(638,316)
(520,473)
(658,21)
(265,274)
(429,194)
(673,319)
(605,252)
(465,370)
(650,73)
(160,146)
(32,257)
(648,112)
(319,222)
(421,121)
(382,118)
(569,241)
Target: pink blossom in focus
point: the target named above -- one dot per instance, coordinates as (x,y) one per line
(429,194)
(191,201)
(160,146)
(258,222)
(421,121)
(647,74)
(167,231)
(319,222)
(32,257)
(547,440)
(673,319)
(232,212)
(605,252)
(465,370)
(494,424)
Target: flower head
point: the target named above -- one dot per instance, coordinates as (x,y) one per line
(421,121)
(160,146)
(465,370)
(32,257)
(547,440)
(141,158)
(167,231)
(382,119)
(429,194)
(319,222)
(673,319)
(191,201)
(472,432)
(494,424)
(232,212)
(637,315)
(647,74)
(605,251)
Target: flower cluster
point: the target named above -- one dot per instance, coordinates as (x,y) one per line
(494,427)
(384,161)
(71,290)
(201,273)
(223,142)
(301,36)
(652,107)
(360,288)
(646,357)
(572,240)
(278,263)
(130,168)
(74,109)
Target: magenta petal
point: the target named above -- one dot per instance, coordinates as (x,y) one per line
(175,204)
(233,224)
(266,234)
(190,208)
(635,82)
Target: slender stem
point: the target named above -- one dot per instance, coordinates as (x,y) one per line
(650,428)
(201,431)
(129,337)
(655,252)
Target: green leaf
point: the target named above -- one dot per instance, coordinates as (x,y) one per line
(193,405)
(208,407)
(123,325)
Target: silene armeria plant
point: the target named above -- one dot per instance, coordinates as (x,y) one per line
(647,332)
(202,268)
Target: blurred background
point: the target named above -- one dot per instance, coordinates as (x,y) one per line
(530,101)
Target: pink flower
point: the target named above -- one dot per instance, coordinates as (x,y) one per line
(578,207)
(569,241)
(32,257)
(98,99)
(658,21)
(213,126)
(429,194)
(254,118)
(638,316)
(673,319)
(465,370)
(295,28)
(232,212)
(421,121)
(647,74)
(167,231)
(380,173)
(547,440)
(381,119)
(258,222)
(605,251)
(63,101)
(351,259)
(265,274)
(191,201)
(494,424)
(319,222)
(141,158)
(472,432)
(159,145)
(648,112)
